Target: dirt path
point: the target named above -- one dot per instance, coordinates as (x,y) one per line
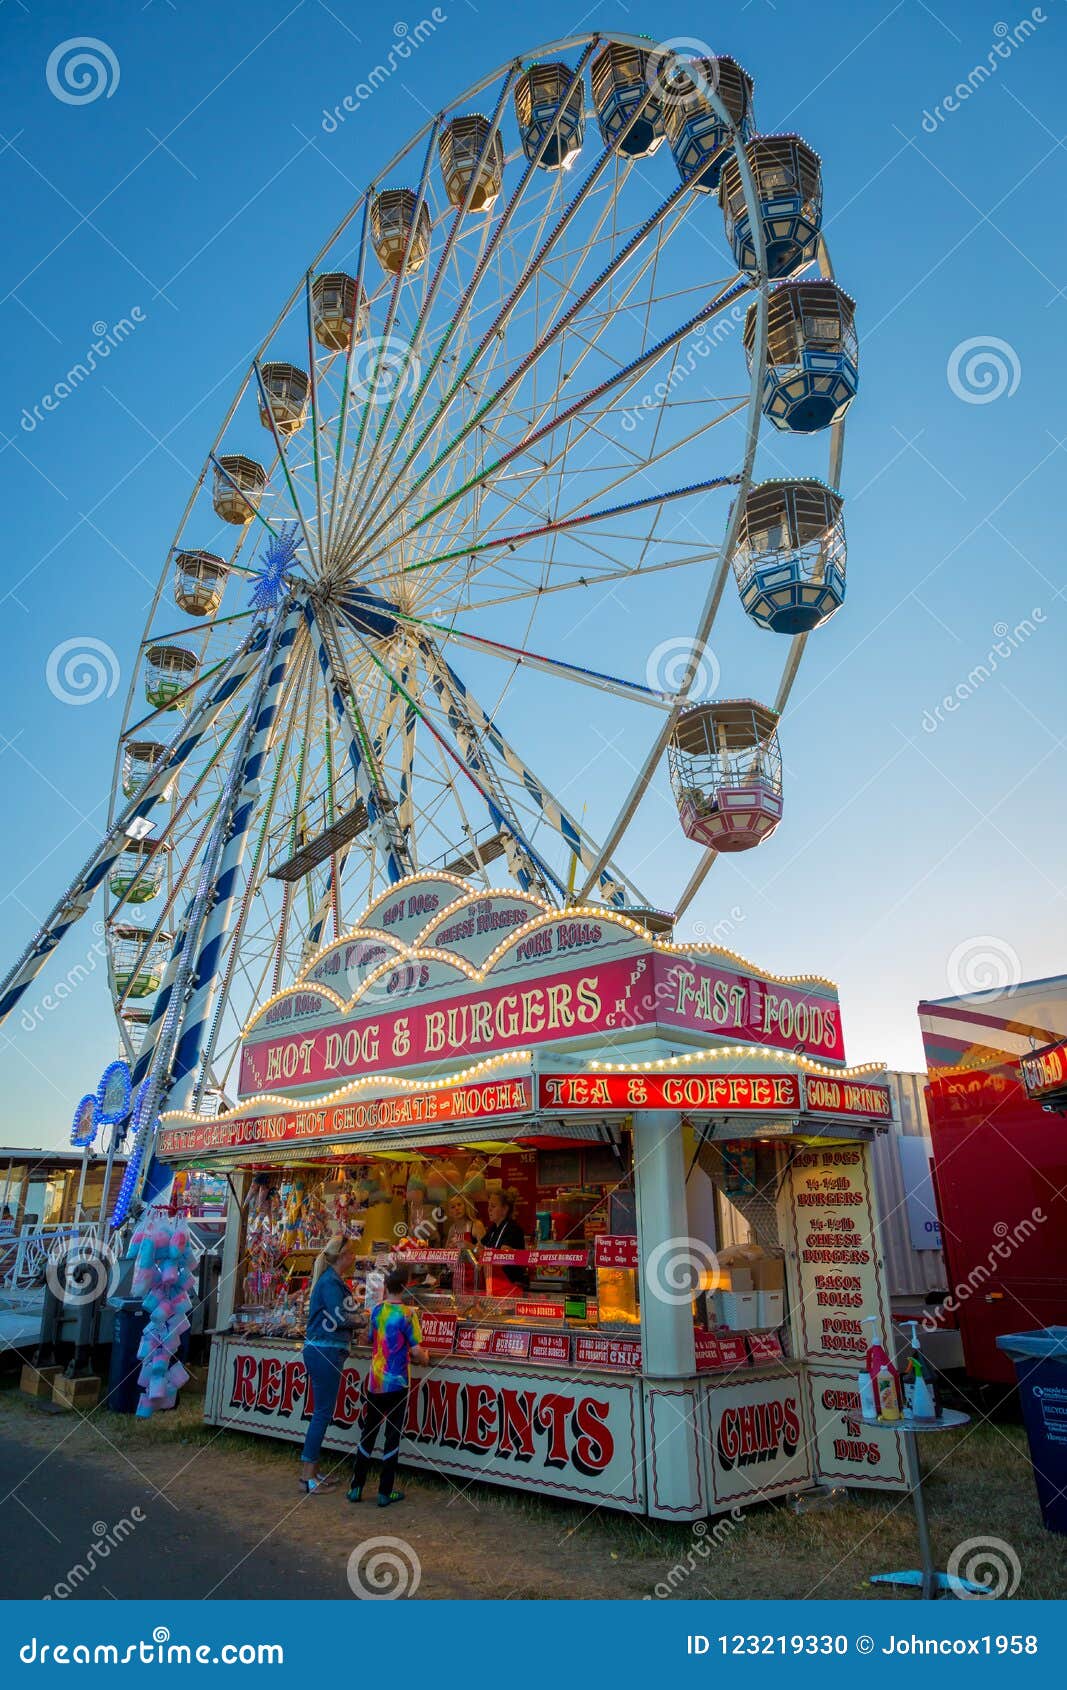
(213,1522)
(220,1515)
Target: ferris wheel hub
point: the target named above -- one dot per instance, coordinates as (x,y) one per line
(370,614)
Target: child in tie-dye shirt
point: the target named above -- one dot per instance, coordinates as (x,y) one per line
(396,1338)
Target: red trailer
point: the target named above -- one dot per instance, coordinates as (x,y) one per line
(1000,1163)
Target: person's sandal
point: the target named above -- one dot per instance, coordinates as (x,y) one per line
(310,1486)
(394,1496)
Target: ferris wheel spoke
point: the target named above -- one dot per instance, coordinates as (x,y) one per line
(287,720)
(394,302)
(525,658)
(620,382)
(366,768)
(482,269)
(548,340)
(432,292)
(462,704)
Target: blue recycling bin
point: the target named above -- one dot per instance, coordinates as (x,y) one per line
(1041,1368)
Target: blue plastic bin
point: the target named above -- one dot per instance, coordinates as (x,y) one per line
(1041,1368)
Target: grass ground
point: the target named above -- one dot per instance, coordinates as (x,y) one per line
(480,1540)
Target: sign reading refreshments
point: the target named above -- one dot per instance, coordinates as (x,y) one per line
(489,1098)
(553,1433)
(829,1216)
(692,1092)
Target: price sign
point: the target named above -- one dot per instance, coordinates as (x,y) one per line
(547,1309)
(474,1340)
(514,1345)
(616,1250)
(718,1355)
(607,1352)
(550,1346)
(764,1347)
(438,1332)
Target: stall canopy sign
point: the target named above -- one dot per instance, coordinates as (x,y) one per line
(1044,1074)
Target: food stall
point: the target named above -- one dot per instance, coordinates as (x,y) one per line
(636,1101)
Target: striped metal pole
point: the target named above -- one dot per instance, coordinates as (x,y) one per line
(79,893)
(217,925)
(380,823)
(169,1012)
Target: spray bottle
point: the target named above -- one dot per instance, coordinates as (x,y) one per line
(920,1398)
(885,1380)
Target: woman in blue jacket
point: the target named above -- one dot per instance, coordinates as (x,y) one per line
(331,1318)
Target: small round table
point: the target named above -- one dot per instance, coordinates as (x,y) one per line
(926,1579)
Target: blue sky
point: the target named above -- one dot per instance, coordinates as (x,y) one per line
(923,845)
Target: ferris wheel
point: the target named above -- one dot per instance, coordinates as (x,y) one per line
(505,380)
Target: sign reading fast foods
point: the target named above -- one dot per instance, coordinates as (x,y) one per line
(487,1099)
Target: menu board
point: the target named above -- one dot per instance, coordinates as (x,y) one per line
(830,1220)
